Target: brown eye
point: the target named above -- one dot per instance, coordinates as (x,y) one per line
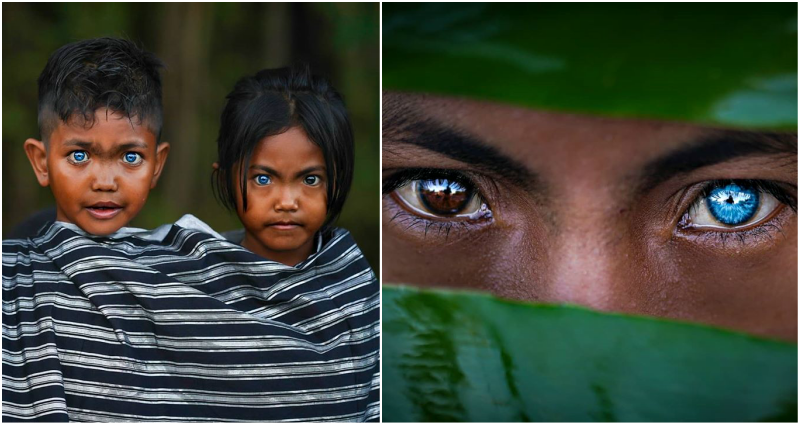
(443,196)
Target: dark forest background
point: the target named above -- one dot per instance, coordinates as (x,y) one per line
(207,47)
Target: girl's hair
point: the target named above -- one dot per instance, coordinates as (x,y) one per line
(270,103)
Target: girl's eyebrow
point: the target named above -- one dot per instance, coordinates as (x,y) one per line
(309,170)
(460,147)
(265,169)
(717,147)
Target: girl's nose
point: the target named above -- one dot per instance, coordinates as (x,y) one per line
(287,200)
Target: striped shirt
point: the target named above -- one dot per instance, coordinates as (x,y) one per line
(177,324)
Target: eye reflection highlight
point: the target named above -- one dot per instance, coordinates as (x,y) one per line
(442,198)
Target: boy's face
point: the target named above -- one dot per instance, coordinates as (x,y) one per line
(614,214)
(286,197)
(100,176)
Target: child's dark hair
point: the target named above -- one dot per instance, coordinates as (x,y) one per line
(270,103)
(86,75)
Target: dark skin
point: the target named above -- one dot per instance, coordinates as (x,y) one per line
(591,211)
(100,172)
(286,197)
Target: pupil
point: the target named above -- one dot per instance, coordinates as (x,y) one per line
(444,197)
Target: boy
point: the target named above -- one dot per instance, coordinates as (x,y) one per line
(106,323)
(100,119)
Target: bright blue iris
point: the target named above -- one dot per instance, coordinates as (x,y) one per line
(79,156)
(732,204)
(131,157)
(262,180)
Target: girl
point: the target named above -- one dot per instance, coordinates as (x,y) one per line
(285,162)
(285,166)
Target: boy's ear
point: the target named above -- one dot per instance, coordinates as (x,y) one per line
(215,166)
(37,155)
(162,150)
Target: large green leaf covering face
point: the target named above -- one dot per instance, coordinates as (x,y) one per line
(719,64)
(454,356)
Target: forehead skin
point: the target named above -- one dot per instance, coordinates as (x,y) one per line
(591,226)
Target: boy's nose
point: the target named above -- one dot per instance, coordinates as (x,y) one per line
(105,181)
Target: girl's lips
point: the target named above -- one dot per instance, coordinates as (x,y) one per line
(103,213)
(284,226)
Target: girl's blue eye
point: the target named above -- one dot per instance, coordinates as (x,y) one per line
(262,180)
(312,180)
(732,204)
(79,156)
(132,158)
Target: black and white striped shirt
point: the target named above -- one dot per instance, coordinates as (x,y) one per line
(180,325)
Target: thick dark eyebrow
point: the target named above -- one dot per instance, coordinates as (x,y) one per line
(265,169)
(714,148)
(89,146)
(459,146)
(308,170)
(297,174)
(132,145)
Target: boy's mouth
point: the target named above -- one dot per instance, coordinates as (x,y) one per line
(104,210)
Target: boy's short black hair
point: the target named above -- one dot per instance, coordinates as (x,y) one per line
(270,103)
(86,75)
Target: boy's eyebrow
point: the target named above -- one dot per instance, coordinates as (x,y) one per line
(132,145)
(459,146)
(83,144)
(714,148)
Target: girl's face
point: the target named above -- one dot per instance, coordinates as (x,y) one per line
(654,218)
(286,197)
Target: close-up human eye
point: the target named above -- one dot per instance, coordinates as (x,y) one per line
(262,180)
(132,158)
(433,194)
(312,180)
(736,205)
(79,157)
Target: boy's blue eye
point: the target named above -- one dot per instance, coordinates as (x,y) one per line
(262,180)
(732,204)
(79,156)
(312,180)
(132,158)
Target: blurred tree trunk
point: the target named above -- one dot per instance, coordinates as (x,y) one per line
(184,47)
(277,35)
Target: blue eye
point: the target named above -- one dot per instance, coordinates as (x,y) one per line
(132,158)
(312,180)
(79,156)
(262,180)
(732,204)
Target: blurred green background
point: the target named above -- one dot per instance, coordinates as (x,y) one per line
(206,47)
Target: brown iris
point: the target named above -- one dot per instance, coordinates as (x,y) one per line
(443,196)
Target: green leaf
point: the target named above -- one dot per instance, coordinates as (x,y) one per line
(699,62)
(453,356)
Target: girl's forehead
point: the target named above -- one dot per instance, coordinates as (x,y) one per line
(289,147)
